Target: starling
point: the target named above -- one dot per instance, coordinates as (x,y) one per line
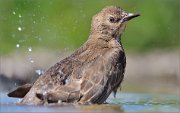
(91,73)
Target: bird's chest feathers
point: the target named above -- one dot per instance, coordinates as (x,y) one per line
(112,55)
(114,43)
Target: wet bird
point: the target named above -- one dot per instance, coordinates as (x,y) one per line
(91,73)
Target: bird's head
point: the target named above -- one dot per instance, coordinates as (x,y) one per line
(111,21)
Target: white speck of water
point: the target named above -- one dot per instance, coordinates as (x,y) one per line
(29,49)
(39,71)
(17,45)
(32,61)
(14,12)
(34,22)
(19,29)
(19,100)
(45,93)
(20,16)
(67,81)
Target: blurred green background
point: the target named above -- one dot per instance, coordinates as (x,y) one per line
(35,34)
(58,24)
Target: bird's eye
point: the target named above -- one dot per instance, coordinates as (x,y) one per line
(112,19)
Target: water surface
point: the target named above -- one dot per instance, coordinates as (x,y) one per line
(123,103)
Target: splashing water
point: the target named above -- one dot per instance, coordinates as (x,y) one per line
(29,49)
(19,16)
(17,45)
(31,60)
(39,71)
(19,29)
(14,12)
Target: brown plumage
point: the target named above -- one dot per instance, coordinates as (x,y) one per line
(92,72)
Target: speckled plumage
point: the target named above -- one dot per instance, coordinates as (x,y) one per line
(91,73)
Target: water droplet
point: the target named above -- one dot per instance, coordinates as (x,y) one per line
(19,29)
(32,61)
(20,16)
(14,12)
(29,49)
(39,71)
(34,22)
(19,100)
(45,93)
(67,81)
(17,45)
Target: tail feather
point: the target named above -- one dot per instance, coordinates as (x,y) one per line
(21,91)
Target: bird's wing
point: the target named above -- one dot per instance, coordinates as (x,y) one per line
(94,87)
(65,93)
(57,74)
(102,76)
(53,77)
(69,89)
(87,81)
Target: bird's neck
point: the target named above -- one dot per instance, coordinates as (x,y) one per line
(102,40)
(96,45)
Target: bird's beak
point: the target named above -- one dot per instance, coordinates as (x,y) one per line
(130,16)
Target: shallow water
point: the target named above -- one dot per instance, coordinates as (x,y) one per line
(123,103)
